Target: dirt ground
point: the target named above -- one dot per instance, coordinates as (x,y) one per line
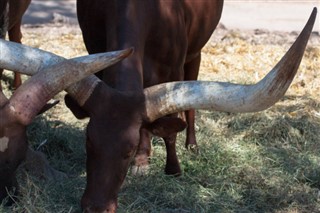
(280,15)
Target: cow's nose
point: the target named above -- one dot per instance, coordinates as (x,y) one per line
(93,207)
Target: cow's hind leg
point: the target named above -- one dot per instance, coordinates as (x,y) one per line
(191,70)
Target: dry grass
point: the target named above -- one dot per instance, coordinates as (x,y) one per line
(255,162)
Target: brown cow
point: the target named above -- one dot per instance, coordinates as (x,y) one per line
(19,110)
(167,37)
(118,113)
(168,47)
(16,9)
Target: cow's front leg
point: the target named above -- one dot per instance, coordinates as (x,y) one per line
(141,160)
(191,71)
(172,163)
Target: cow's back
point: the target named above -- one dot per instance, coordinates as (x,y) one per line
(178,31)
(164,34)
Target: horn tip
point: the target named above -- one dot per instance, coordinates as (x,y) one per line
(129,51)
(314,12)
(121,54)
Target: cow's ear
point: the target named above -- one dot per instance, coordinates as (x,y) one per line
(165,126)
(75,108)
(48,106)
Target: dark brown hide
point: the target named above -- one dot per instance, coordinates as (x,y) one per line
(16,10)
(13,142)
(12,151)
(167,37)
(109,154)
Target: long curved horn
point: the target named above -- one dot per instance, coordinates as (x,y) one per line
(28,60)
(174,97)
(31,96)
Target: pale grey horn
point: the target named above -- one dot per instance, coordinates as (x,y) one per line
(33,94)
(24,59)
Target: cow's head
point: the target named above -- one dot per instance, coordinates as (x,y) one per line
(112,139)
(113,135)
(29,99)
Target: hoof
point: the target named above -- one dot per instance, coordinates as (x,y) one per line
(193,148)
(173,170)
(175,173)
(140,170)
(140,165)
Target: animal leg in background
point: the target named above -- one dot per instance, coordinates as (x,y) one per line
(15,35)
(191,71)
(141,160)
(16,10)
(167,128)
(172,162)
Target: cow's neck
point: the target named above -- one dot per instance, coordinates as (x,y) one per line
(122,34)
